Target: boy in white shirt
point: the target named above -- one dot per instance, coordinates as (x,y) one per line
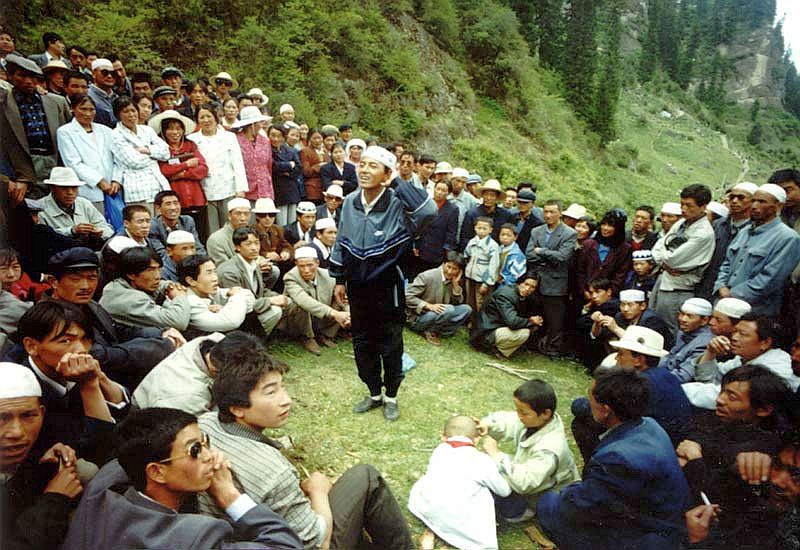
(454,497)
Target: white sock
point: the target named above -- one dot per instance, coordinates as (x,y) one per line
(387,399)
(378,397)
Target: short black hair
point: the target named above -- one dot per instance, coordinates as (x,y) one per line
(230,348)
(600,283)
(538,395)
(146,436)
(697,191)
(767,389)
(766,327)
(8,255)
(649,209)
(624,390)
(532,273)
(281,128)
(454,257)
(74,47)
(555,202)
(50,37)
(239,376)
(73,75)
(240,234)
(510,226)
(206,107)
(130,209)
(407,153)
(142,77)
(785,175)
(526,185)
(136,259)
(121,103)
(190,267)
(484,219)
(48,315)
(161,195)
(426,158)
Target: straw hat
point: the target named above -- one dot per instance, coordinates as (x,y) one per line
(642,340)
(157,120)
(491,185)
(226,76)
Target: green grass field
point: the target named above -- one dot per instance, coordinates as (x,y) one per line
(448,380)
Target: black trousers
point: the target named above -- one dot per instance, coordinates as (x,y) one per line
(377,314)
(554,313)
(360,499)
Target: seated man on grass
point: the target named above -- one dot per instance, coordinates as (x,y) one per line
(434,301)
(251,397)
(147,497)
(542,459)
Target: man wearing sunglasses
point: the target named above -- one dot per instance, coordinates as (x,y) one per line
(102,89)
(138,500)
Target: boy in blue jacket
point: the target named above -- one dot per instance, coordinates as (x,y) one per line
(375,230)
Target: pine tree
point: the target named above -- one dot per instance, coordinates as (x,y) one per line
(579,65)
(549,15)
(609,74)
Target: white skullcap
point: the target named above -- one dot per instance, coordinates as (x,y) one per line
(120,243)
(774,190)
(18,381)
(306,207)
(459,172)
(632,295)
(285,107)
(102,63)
(334,190)
(697,306)
(180,237)
(746,186)
(238,202)
(718,208)
(381,155)
(324,223)
(305,252)
(642,255)
(673,208)
(733,307)
(355,142)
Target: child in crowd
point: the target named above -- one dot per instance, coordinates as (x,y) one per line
(454,497)
(16,281)
(512,259)
(542,459)
(602,300)
(643,275)
(483,264)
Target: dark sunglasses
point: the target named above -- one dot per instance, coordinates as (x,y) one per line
(265,215)
(106,72)
(192,452)
(222,81)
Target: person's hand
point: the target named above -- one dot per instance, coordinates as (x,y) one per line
(240,194)
(83,229)
(587,295)
(285,255)
(214,308)
(175,290)
(610,323)
(104,186)
(341,317)
(16,191)
(279,300)
(537,250)
(436,308)
(172,334)
(264,264)
(689,450)
(597,317)
(483,290)
(115,188)
(536,320)
(65,482)
(698,521)
(142,150)
(490,446)
(222,489)
(192,162)
(718,345)
(340,294)
(63,454)
(316,483)
(234,291)
(483,429)
(78,367)
(753,467)
(724,292)
(416,252)
(274,257)
(292,164)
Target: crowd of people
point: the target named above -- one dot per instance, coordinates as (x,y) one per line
(158,235)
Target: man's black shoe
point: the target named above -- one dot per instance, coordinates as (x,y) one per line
(391,411)
(367,404)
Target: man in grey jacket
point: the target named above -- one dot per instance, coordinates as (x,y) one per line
(138,500)
(550,248)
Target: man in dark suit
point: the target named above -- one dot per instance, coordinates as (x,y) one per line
(28,125)
(550,248)
(332,208)
(54,50)
(164,460)
(528,217)
(303,228)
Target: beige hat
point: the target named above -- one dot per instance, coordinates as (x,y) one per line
(305,252)
(62,176)
(747,187)
(285,107)
(238,202)
(444,168)
(355,142)
(158,119)
(257,92)
(102,63)
(118,243)
(334,190)
(18,381)
(179,237)
(265,206)
(632,295)
(732,307)
(55,65)
(226,76)
(459,172)
(324,223)
(491,185)
(575,211)
(247,116)
(641,340)
(697,306)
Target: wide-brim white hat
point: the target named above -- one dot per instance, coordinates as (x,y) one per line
(265,206)
(491,185)
(575,211)
(155,122)
(61,176)
(226,76)
(249,115)
(641,340)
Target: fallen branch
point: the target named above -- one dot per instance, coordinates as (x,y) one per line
(519,373)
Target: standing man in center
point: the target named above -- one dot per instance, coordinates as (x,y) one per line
(374,233)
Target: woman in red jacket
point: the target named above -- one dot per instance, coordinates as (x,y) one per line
(607,255)
(186,166)
(312,158)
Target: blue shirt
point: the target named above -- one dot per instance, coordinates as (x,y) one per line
(34,120)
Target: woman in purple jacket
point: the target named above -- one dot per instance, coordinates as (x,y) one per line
(607,255)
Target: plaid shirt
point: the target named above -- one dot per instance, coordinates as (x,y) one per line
(31,110)
(139,174)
